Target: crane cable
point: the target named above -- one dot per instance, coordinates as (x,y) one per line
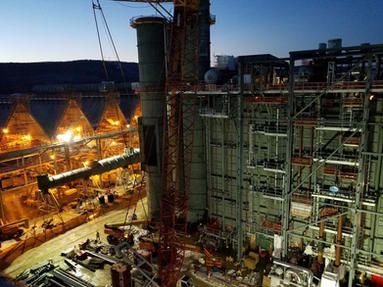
(94,6)
(97,6)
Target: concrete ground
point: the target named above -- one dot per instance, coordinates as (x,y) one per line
(51,250)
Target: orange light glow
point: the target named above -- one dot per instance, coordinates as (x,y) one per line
(26,138)
(5,131)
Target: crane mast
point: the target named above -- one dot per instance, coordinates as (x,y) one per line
(182,73)
(178,137)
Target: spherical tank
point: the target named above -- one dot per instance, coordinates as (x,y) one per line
(212,76)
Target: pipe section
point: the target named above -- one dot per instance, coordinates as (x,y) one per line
(151,39)
(45,182)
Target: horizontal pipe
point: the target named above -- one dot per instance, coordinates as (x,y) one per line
(340,162)
(338,129)
(45,182)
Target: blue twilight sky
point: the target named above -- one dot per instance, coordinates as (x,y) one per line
(55,30)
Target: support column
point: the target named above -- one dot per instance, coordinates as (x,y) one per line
(240,164)
(362,176)
(223,174)
(208,166)
(99,149)
(68,162)
(2,214)
(24,170)
(289,151)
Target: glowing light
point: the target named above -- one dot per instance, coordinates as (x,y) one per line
(26,138)
(135,118)
(128,126)
(371,97)
(78,129)
(113,122)
(5,131)
(52,156)
(65,137)
(86,163)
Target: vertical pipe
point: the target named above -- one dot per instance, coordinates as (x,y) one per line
(223,175)
(321,237)
(99,157)
(338,249)
(250,159)
(208,167)
(239,163)
(289,150)
(151,45)
(2,214)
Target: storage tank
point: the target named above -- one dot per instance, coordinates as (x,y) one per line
(225,62)
(334,43)
(151,59)
(322,46)
(212,76)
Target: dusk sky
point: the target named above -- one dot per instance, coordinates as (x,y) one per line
(57,30)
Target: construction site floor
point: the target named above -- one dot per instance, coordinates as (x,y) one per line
(52,249)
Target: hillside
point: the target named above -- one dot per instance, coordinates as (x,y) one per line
(25,77)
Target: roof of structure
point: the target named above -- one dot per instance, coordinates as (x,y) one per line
(48,113)
(128,104)
(5,111)
(93,108)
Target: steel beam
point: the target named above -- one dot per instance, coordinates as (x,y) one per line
(239,155)
(20,153)
(362,176)
(287,190)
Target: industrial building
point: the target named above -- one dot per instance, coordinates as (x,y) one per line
(258,170)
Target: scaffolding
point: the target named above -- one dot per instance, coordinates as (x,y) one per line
(308,146)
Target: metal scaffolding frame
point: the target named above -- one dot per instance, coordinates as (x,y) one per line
(339,141)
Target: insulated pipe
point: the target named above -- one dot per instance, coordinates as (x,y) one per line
(45,182)
(321,237)
(338,249)
(152,64)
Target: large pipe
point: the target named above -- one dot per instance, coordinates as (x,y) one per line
(204,37)
(45,182)
(339,238)
(151,38)
(321,237)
